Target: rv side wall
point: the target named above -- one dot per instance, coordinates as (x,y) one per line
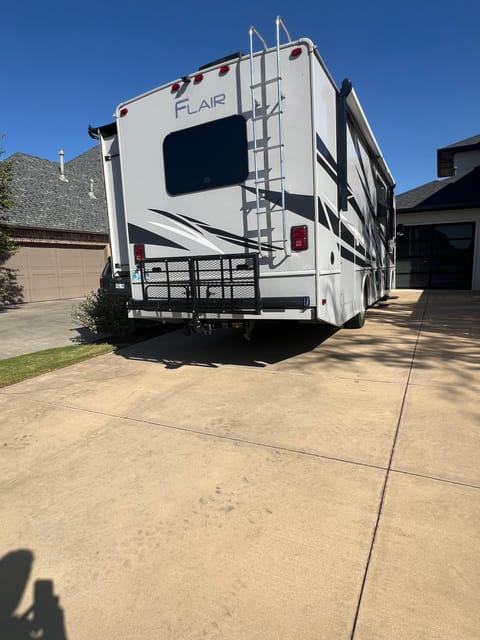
(115,205)
(355,231)
(330,283)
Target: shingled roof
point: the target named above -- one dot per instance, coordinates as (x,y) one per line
(460,192)
(474,141)
(43,201)
(446,155)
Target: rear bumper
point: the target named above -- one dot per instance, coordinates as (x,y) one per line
(218,306)
(304,315)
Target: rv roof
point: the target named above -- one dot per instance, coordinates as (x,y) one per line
(232,56)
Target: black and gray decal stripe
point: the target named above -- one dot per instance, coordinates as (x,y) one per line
(331,173)
(348,255)
(303,206)
(177,218)
(361,249)
(306,206)
(323,151)
(334,220)
(326,160)
(234,239)
(356,208)
(322,216)
(381,234)
(366,192)
(137,235)
(224,235)
(251,245)
(231,237)
(347,236)
(363,178)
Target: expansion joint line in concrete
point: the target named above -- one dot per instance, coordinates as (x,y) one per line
(387,477)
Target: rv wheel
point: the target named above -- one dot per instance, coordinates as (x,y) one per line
(358,321)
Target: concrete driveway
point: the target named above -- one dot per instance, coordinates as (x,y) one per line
(35,326)
(305,485)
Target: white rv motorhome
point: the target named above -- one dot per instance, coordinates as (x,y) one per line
(251,189)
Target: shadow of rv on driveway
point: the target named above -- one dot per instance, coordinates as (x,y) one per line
(271,342)
(413,328)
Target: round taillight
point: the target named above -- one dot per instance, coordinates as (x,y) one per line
(175,87)
(123,112)
(224,69)
(294,53)
(198,77)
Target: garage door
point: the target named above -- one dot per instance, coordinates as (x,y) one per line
(436,256)
(55,272)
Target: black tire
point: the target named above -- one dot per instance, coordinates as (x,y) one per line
(358,321)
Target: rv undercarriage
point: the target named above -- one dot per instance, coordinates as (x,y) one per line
(205,327)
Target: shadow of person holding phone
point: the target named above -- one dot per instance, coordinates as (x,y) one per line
(44,618)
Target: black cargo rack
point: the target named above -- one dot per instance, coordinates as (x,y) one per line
(199,284)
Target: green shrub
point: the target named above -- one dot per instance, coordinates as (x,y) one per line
(104,313)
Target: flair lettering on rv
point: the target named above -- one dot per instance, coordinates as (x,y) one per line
(206,103)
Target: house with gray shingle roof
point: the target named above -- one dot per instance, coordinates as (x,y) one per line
(59,219)
(440,245)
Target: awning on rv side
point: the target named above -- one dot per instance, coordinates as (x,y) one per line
(360,118)
(106,131)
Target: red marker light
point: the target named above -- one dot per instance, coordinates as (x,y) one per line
(198,77)
(294,53)
(299,238)
(123,112)
(224,69)
(175,87)
(138,252)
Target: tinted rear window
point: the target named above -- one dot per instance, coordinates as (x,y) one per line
(207,156)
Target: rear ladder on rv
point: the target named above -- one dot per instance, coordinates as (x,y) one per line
(261,115)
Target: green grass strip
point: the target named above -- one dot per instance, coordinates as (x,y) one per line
(20,368)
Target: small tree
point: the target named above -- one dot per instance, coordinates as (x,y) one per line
(10,292)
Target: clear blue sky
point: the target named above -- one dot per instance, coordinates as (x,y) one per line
(414,65)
